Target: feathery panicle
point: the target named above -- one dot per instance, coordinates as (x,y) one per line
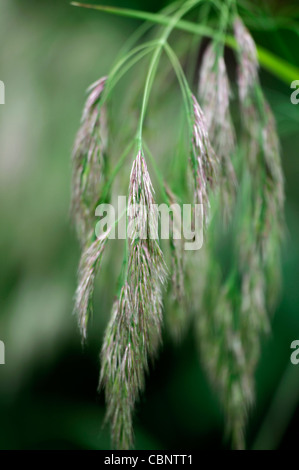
(146,266)
(262,161)
(206,162)
(134,331)
(122,369)
(274,203)
(224,359)
(222,350)
(262,150)
(257,252)
(220,343)
(88,162)
(248,68)
(271,149)
(89,264)
(235,309)
(214,94)
(232,294)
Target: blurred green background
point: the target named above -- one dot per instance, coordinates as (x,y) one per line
(50,52)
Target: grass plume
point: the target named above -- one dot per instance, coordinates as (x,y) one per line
(238,183)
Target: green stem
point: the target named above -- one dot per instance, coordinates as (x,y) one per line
(275,65)
(117,72)
(185,89)
(155,61)
(158,173)
(129,64)
(224,21)
(155,18)
(143,29)
(115,171)
(147,90)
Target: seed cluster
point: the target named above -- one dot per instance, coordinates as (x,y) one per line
(238,183)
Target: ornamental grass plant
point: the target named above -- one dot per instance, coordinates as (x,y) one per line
(229,168)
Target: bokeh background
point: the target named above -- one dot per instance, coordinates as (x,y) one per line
(49,53)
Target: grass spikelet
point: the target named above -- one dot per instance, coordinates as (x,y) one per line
(146,265)
(223,352)
(134,331)
(88,162)
(214,94)
(248,68)
(257,241)
(235,309)
(205,166)
(89,264)
(224,361)
(271,149)
(122,369)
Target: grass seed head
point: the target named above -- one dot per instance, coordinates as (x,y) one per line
(214,94)
(206,161)
(89,264)
(248,61)
(88,162)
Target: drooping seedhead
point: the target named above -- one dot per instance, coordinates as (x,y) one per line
(214,93)
(249,66)
(89,162)
(205,160)
(134,331)
(89,264)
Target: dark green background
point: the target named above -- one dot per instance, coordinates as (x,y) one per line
(49,54)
